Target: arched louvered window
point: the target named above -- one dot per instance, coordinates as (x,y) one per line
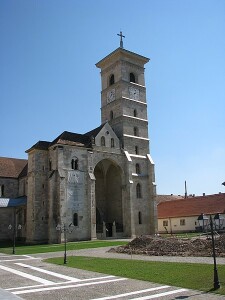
(138,190)
(111,79)
(75,219)
(132,77)
(102,141)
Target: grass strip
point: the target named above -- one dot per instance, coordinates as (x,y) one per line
(186,275)
(26,249)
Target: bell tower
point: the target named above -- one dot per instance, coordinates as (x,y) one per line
(124,107)
(123,98)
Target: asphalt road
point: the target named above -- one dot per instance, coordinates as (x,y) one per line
(29,277)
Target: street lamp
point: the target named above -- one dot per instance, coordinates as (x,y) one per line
(10,227)
(64,229)
(201,220)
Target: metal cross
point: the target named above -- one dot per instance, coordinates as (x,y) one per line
(121,38)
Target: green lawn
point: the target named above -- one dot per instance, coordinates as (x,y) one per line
(192,276)
(23,249)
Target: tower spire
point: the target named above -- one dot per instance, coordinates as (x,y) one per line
(121,38)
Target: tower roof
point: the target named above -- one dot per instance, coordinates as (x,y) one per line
(124,54)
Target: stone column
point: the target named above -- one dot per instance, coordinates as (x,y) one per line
(104,231)
(114,229)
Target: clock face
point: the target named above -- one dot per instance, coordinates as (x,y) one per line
(111,95)
(134,93)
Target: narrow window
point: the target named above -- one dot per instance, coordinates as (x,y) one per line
(139,218)
(112,143)
(102,141)
(111,80)
(74,164)
(50,165)
(136,150)
(138,171)
(135,131)
(138,190)
(135,113)
(165,223)
(2,190)
(182,222)
(132,77)
(111,115)
(75,219)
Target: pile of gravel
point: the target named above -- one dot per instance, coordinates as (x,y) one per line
(173,246)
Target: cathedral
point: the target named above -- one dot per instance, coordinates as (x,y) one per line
(96,185)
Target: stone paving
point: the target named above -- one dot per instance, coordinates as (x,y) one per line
(19,273)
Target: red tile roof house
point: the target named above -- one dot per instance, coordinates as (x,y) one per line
(178,214)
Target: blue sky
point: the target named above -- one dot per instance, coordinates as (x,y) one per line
(49,82)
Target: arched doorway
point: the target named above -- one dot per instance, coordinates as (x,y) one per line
(108,193)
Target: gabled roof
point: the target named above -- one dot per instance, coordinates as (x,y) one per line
(194,206)
(164,198)
(11,167)
(95,131)
(40,145)
(72,139)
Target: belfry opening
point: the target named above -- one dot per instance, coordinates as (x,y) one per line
(108,193)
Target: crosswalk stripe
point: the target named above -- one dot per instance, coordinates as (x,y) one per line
(160,295)
(133,293)
(66,286)
(22,274)
(49,272)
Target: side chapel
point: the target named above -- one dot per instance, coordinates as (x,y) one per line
(101,182)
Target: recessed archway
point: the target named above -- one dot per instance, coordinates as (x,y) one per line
(108,193)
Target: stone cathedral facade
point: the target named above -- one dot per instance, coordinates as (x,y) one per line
(101,183)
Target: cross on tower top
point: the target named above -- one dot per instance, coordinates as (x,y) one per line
(121,38)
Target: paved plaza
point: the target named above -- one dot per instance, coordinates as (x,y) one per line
(29,277)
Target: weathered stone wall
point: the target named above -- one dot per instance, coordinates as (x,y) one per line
(10,187)
(37,206)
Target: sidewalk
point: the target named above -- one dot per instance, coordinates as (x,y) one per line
(103,252)
(4,295)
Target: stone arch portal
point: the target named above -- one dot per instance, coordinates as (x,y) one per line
(108,193)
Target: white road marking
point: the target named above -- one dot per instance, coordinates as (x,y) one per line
(58,283)
(133,293)
(18,259)
(66,286)
(160,295)
(49,272)
(28,256)
(38,279)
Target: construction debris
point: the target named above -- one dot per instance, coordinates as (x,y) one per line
(173,246)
